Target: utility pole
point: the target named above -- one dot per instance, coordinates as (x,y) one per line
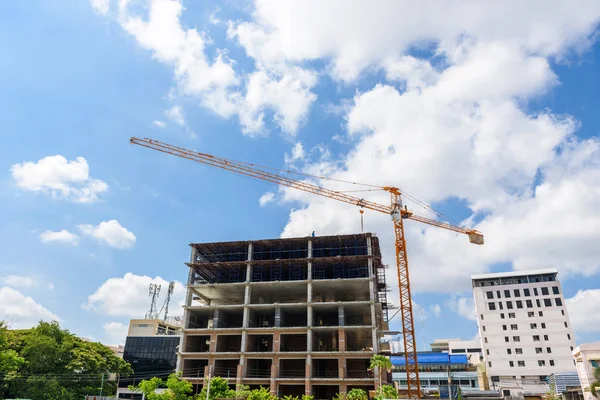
(449,380)
(208,386)
(102,385)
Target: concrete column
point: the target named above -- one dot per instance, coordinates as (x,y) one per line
(277,316)
(375,341)
(212,347)
(238,378)
(341,319)
(309,248)
(276,342)
(309,271)
(307,375)
(309,341)
(342,368)
(309,315)
(243,341)
(274,373)
(369,246)
(216,318)
(342,340)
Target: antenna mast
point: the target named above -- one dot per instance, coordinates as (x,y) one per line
(153,292)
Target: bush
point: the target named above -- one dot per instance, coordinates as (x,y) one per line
(357,394)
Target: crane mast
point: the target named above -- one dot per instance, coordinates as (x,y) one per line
(395,210)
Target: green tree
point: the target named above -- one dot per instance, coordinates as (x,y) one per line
(389,392)
(596,382)
(219,389)
(261,394)
(357,394)
(382,363)
(175,388)
(47,363)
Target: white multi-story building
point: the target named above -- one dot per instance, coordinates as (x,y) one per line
(587,357)
(524,327)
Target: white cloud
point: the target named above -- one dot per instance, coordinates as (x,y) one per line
(20,311)
(583,311)
(160,124)
(298,153)
(63,236)
(266,198)
(59,178)
(463,306)
(369,36)
(128,296)
(174,113)
(23,282)
(110,233)
(116,331)
(100,7)
(436,310)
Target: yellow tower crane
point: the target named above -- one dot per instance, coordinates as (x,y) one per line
(397,212)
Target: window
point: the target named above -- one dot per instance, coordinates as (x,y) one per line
(533,326)
(483,327)
(507,351)
(548,302)
(501,315)
(498,294)
(558,302)
(536,338)
(538,350)
(485,339)
(571,348)
(526,292)
(482,317)
(490,364)
(487,351)
(537,301)
(552,363)
(535,293)
(569,336)
(563,312)
(566,325)
(543,325)
(475,350)
(521,363)
(517,294)
(529,303)
(530,314)
(549,350)
(555,290)
(507,294)
(514,327)
(541,363)
(516,338)
(511,315)
(511,364)
(518,350)
(545,337)
(490,295)
(541,313)
(503,327)
(491,306)
(506,339)
(519,304)
(545,291)
(500,305)
(509,305)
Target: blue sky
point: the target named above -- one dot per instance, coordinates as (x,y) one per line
(489,117)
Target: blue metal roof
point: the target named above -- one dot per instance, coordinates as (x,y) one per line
(561,380)
(433,358)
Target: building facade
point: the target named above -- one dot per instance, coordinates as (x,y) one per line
(524,327)
(151,349)
(587,357)
(300,315)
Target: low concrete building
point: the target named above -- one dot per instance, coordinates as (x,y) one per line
(587,357)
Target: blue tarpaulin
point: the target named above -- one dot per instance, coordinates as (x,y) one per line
(433,358)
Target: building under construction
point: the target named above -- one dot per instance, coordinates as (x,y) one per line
(300,315)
